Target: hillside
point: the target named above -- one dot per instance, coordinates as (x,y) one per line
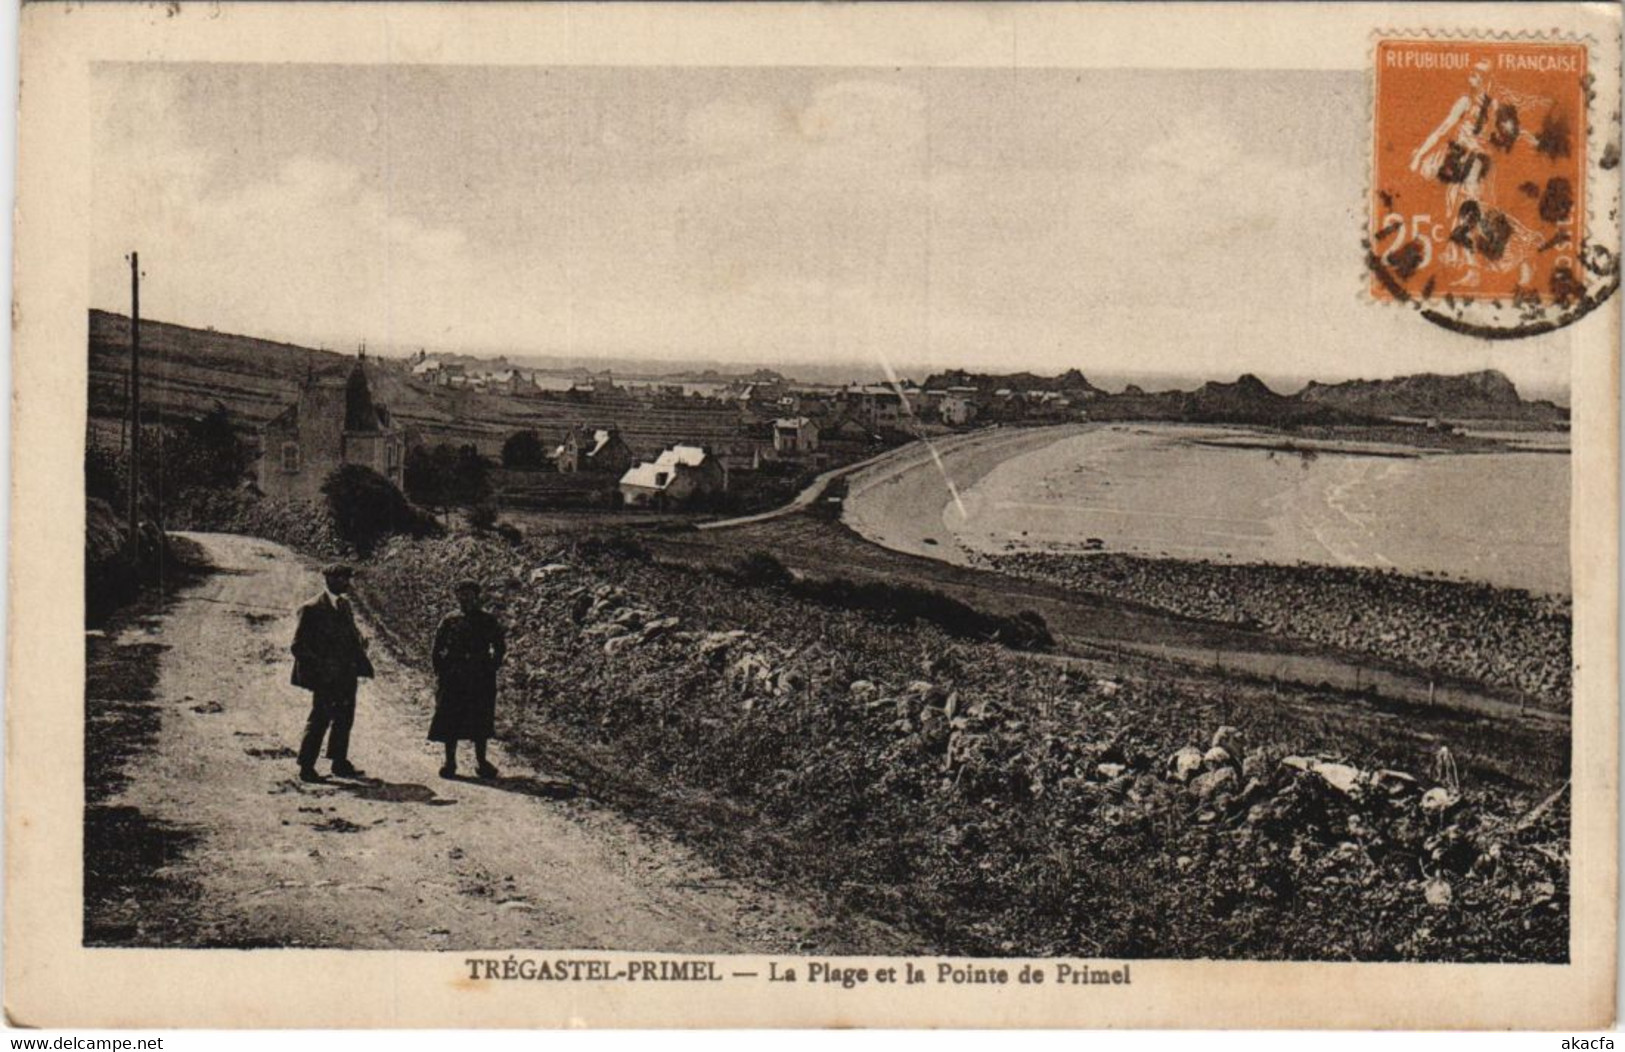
(185,371)
(1486,395)
(1108,808)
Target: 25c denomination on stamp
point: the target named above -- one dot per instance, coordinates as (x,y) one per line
(1479,179)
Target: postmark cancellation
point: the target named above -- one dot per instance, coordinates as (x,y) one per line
(1484,167)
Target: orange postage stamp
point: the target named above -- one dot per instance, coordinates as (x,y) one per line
(1479,172)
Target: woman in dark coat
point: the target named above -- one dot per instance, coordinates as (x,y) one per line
(468,650)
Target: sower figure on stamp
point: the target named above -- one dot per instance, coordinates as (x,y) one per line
(468,650)
(329,656)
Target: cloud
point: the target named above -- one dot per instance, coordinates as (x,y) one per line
(800,216)
(778,212)
(308,250)
(309,246)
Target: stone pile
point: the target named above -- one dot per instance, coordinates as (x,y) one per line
(1498,636)
(1004,803)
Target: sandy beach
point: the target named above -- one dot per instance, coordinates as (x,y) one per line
(1193,492)
(907,503)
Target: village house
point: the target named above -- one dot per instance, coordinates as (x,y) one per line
(843,439)
(762,394)
(512,382)
(679,476)
(878,406)
(795,437)
(600,451)
(845,435)
(957,410)
(1052,404)
(447,374)
(599,388)
(927,402)
(816,404)
(334,422)
(740,455)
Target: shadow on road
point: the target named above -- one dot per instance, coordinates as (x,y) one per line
(525,785)
(392,792)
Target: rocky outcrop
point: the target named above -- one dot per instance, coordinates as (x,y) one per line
(1468,396)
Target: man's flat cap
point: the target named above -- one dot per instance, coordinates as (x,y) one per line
(338,570)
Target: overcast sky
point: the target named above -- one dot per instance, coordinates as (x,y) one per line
(1181,222)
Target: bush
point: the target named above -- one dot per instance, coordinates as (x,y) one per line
(760,568)
(898,604)
(828,508)
(366,508)
(446,476)
(907,604)
(104,476)
(613,543)
(214,455)
(483,518)
(305,526)
(524,449)
(178,461)
(112,578)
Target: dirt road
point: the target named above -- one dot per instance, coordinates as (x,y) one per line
(400,858)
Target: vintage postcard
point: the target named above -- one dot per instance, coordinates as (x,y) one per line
(806,515)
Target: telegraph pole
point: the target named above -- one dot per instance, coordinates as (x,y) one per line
(135,399)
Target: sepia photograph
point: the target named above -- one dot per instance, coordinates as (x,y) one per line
(664,514)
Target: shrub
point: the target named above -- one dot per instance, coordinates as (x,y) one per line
(907,604)
(178,461)
(104,476)
(305,526)
(524,449)
(112,578)
(613,543)
(215,455)
(366,508)
(760,568)
(483,518)
(828,508)
(445,476)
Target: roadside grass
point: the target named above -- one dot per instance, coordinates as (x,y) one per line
(895,603)
(126,851)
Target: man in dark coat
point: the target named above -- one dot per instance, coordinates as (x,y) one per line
(468,650)
(329,655)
